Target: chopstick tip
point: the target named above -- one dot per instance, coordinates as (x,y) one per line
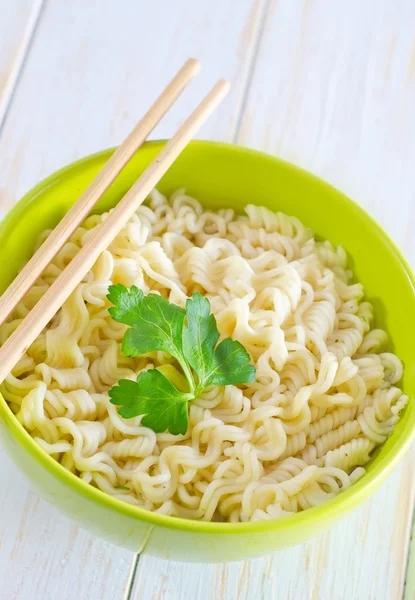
(222,87)
(225,84)
(194,64)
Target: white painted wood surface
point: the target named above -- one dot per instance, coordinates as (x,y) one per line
(329,86)
(18,21)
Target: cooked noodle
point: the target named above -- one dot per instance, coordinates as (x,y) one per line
(323,399)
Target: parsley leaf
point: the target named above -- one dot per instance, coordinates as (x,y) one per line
(228,364)
(231,365)
(125,303)
(200,337)
(155,397)
(156,324)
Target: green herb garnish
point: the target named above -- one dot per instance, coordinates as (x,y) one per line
(124,488)
(191,337)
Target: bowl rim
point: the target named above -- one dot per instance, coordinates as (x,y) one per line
(328,510)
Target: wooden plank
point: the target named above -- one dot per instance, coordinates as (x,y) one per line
(26,522)
(82,89)
(44,556)
(17,24)
(326,567)
(409,590)
(331,91)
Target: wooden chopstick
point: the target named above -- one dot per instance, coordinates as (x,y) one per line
(32,325)
(80,210)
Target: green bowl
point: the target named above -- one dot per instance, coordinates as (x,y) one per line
(220,176)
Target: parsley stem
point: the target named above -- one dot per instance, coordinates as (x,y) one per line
(186,370)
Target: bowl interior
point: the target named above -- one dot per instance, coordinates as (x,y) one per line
(220,176)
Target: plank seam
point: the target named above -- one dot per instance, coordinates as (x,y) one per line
(410,559)
(20,60)
(251,69)
(131,578)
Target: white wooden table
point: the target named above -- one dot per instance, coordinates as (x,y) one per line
(328,85)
